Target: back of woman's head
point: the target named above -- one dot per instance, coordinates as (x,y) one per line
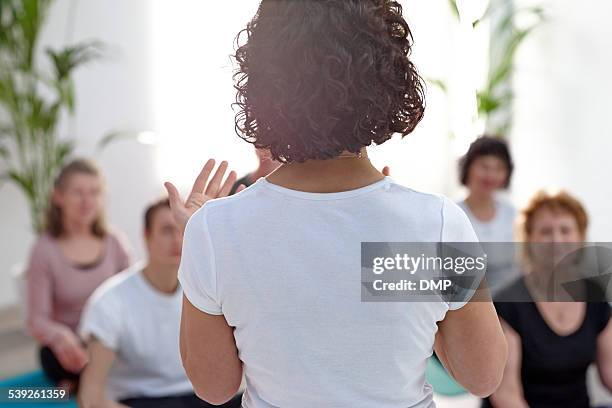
(319,77)
(54,225)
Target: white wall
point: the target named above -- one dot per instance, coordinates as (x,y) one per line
(563,134)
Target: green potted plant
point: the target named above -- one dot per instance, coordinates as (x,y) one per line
(495,98)
(33,101)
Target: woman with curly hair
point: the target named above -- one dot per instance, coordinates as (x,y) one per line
(271,275)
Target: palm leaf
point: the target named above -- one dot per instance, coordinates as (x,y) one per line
(486,14)
(29,15)
(454,8)
(109,138)
(439,83)
(66,60)
(62,151)
(25,181)
(503,69)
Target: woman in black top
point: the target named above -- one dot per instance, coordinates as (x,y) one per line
(551,344)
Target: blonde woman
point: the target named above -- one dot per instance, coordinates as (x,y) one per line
(74,255)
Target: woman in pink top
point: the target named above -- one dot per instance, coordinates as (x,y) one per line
(69,260)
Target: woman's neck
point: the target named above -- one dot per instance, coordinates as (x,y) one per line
(482,206)
(265,167)
(478,201)
(74,229)
(327,176)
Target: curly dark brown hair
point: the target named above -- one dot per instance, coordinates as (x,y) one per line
(319,77)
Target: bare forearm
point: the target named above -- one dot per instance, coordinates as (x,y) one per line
(510,392)
(92,390)
(45,330)
(209,355)
(604,356)
(92,395)
(605,376)
(473,348)
(442,356)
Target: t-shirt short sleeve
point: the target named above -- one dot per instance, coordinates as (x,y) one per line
(101,319)
(197,273)
(456,227)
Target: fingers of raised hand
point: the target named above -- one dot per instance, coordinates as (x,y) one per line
(200,182)
(214,186)
(228,184)
(173,195)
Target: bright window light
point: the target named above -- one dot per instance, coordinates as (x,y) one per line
(193,88)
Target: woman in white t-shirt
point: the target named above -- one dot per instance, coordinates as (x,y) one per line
(272,275)
(485,170)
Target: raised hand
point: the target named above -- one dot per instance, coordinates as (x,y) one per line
(203,190)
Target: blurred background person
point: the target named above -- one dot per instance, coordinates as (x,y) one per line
(69,260)
(486,169)
(266,166)
(131,328)
(551,344)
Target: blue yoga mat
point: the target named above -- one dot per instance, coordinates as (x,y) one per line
(29,380)
(440,380)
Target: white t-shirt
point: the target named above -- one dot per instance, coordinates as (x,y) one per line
(501,269)
(500,228)
(284,268)
(141,324)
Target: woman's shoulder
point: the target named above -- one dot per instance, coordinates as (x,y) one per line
(43,245)
(415,194)
(44,256)
(436,204)
(455,223)
(117,239)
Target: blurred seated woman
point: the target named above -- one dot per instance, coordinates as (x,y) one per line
(486,169)
(552,344)
(69,260)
